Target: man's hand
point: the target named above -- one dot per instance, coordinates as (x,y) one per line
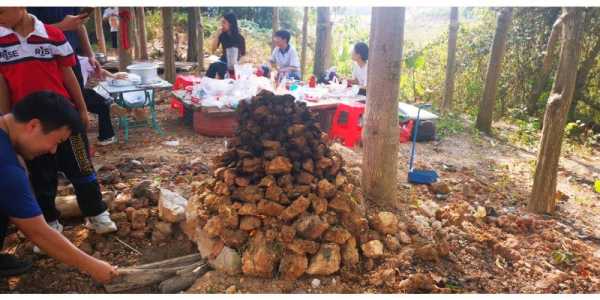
(85,119)
(71,22)
(95,64)
(101,271)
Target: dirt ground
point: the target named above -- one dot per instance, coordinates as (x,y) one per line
(492,244)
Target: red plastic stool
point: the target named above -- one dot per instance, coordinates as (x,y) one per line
(177,105)
(406,131)
(182,81)
(346,124)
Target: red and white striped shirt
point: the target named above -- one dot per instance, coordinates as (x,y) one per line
(33,63)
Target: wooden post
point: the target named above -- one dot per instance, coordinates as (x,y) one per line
(200,43)
(304,42)
(380,133)
(322,59)
(192,50)
(486,106)
(542,198)
(451,61)
(141,29)
(125,54)
(168,44)
(275,23)
(99,30)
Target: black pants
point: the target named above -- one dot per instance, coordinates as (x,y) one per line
(3,229)
(217,68)
(98,105)
(114,36)
(72,158)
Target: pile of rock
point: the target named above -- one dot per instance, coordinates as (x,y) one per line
(280,202)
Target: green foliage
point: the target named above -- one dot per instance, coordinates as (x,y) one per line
(346,32)
(450,124)
(527,132)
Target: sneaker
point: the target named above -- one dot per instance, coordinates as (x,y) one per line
(54,225)
(101,223)
(10,265)
(107,141)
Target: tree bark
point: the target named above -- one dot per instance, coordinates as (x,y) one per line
(544,73)
(542,199)
(275,23)
(141,28)
(583,74)
(451,61)
(200,42)
(304,42)
(125,56)
(322,59)
(380,133)
(192,50)
(168,44)
(486,106)
(99,30)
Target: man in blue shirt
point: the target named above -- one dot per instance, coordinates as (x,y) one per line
(37,124)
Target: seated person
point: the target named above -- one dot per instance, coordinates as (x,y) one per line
(284,59)
(228,37)
(360,55)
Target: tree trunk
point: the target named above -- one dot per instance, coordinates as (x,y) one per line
(99,30)
(451,61)
(200,42)
(275,23)
(192,50)
(141,26)
(304,42)
(322,59)
(583,74)
(542,198)
(486,106)
(125,56)
(380,133)
(136,36)
(544,73)
(168,44)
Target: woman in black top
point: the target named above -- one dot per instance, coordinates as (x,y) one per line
(229,36)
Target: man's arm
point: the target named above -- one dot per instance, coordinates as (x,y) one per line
(57,246)
(87,48)
(75,92)
(4,97)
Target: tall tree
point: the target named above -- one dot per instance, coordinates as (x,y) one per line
(200,42)
(323,45)
(99,30)
(141,29)
(542,199)
(125,38)
(275,23)
(192,30)
(136,37)
(451,61)
(168,43)
(380,133)
(541,77)
(486,106)
(304,42)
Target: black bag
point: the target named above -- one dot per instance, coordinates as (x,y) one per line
(426,131)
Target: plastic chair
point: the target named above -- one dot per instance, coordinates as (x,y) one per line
(183,81)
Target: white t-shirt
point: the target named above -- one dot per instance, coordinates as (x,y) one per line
(359,74)
(113,18)
(285,59)
(86,68)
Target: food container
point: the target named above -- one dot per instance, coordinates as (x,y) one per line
(148,72)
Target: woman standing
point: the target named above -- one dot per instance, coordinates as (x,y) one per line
(229,37)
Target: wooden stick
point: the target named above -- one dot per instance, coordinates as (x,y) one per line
(134,278)
(173,262)
(129,246)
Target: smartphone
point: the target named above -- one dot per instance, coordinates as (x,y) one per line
(86,12)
